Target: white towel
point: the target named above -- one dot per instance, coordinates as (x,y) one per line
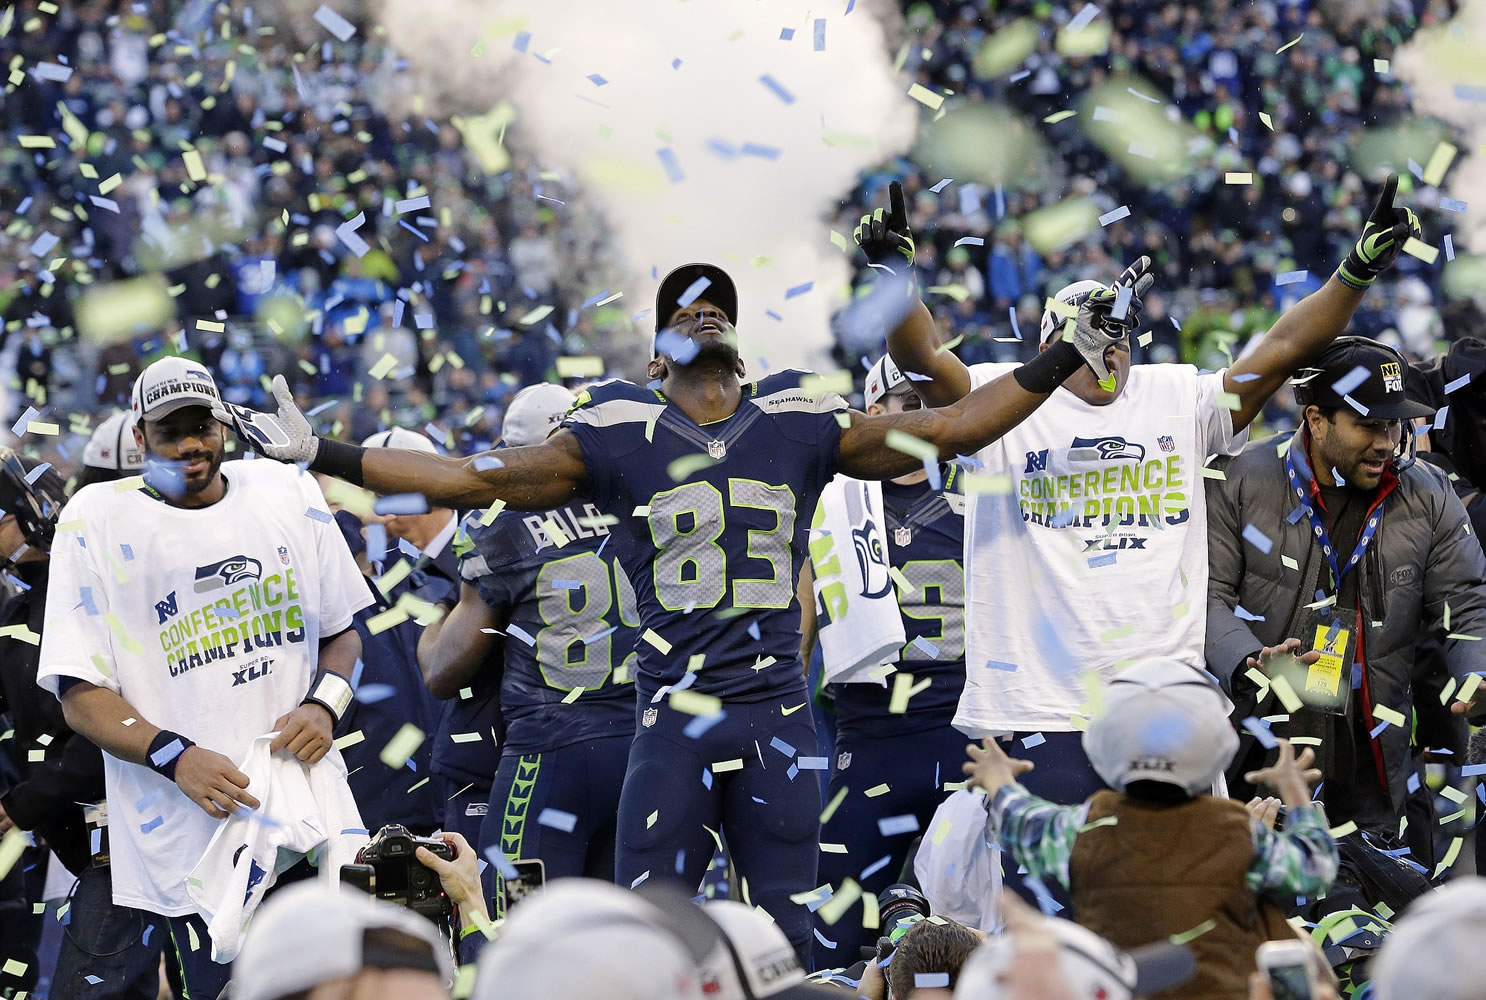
(302,808)
(862,627)
(958,869)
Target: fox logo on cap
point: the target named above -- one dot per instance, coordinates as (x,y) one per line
(1392,376)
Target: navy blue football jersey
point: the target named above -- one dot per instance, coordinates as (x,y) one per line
(571,625)
(714,519)
(925,530)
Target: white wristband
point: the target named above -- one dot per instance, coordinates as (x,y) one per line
(332,692)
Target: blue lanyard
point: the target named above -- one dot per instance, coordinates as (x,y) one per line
(1318,527)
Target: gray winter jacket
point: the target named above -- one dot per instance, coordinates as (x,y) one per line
(1422,558)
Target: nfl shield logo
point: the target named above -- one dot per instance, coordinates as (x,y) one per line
(716,449)
(283,555)
(648,717)
(1166,443)
(843,761)
(902,537)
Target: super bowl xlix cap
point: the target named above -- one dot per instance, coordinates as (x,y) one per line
(1362,375)
(171,383)
(534,413)
(401,437)
(112,446)
(690,282)
(884,378)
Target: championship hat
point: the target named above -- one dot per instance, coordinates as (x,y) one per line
(311,933)
(171,383)
(401,437)
(753,960)
(1073,295)
(112,446)
(691,282)
(1433,951)
(1093,967)
(1361,375)
(534,413)
(1165,721)
(883,379)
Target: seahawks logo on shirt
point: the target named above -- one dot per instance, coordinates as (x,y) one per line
(235,569)
(1105,449)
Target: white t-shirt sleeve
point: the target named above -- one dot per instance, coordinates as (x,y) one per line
(1215,422)
(989,371)
(343,590)
(77,640)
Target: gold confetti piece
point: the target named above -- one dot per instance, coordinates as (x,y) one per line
(1258,677)
(957,292)
(904,587)
(824,385)
(1324,602)
(1286,694)
(107,185)
(37,142)
(842,243)
(1306,741)
(1289,563)
(1058,116)
(1388,715)
(382,621)
(820,892)
(349,740)
(1229,401)
(1468,688)
(13,966)
(871,914)
(465,694)
(904,689)
(1453,794)
(1293,41)
(825,815)
(535,316)
(195,169)
(723,766)
(686,466)
(1418,248)
(572,695)
(1212,473)
(383,367)
(695,703)
(1238,177)
(910,445)
(210,326)
(925,96)
(1447,691)
(468,737)
(416,785)
(11,846)
(992,484)
(24,634)
(1380,65)
(403,745)
(395,575)
(587,366)
(1263,117)
(843,420)
(1060,308)
(650,820)
(1194,933)
(942,831)
(650,636)
(191,937)
(1439,162)
(558,537)
(492,511)
(1096,824)
(1337,832)
(877,790)
(1450,856)
(834,908)
(695,663)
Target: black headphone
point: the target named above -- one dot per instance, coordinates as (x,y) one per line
(35,500)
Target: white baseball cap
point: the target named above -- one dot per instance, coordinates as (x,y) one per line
(754,960)
(534,413)
(1093,967)
(1073,295)
(883,378)
(578,939)
(1433,951)
(171,383)
(112,446)
(401,437)
(1163,720)
(312,932)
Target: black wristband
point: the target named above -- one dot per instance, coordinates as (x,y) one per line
(338,459)
(1050,368)
(165,752)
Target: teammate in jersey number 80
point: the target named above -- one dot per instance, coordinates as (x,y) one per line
(712,481)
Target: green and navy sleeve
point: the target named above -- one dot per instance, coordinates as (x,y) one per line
(1038,834)
(1300,860)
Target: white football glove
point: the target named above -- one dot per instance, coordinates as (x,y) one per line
(285,435)
(1097,326)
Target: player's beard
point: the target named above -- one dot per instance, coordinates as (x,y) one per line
(213,466)
(720,352)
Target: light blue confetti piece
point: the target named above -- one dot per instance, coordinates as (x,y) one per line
(520,633)
(1291,277)
(946,182)
(753,630)
(19,427)
(1465,92)
(502,863)
(761,151)
(87,603)
(707,778)
(675,63)
(1098,562)
(167,753)
(699,725)
(1019,75)
(596,80)
(875,867)
(782,747)
(1123,212)
(600,635)
(1257,538)
(37,473)
(521,41)
(1453,205)
(786,34)
(1440,416)
(43,244)
(95,841)
(778,89)
(335,23)
(693,291)
(926,647)
(401,503)
(1412,784)
(370,694)
(1077,23)
(669,163)
(567,584)
(1244,614)
(813,763)
(799,290)
(1350,381)
(820,34)
(1458,383)
(1035,740)
(794,769)
(1123,295)
(1356,406)
(1259,729)
(1471,771)
(1000,665)
(1378,729)
(1135,93)
(557,820)
(152,825)
(1449,247)
(773,315)
(1415,169)
(940,980)
(92,980)
(970,241)
(1016,329)
(896,826)
(850,4)
(1245,377)
(315,514)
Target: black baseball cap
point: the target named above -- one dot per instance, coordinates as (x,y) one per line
(1371,375)
(720,291)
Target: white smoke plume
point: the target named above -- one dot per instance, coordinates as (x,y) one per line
(762,135)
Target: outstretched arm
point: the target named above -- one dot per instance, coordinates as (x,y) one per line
(1315,321)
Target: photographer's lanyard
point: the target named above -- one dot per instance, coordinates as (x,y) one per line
(1318,528)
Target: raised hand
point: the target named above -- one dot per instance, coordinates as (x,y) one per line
(285,435)
(883,235)
(1383,236)
(990,768)
(1109,315)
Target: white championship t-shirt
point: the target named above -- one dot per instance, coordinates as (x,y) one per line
(208,622)
(1095,554)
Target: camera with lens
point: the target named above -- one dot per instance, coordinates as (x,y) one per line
(899,907)
(387,869)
